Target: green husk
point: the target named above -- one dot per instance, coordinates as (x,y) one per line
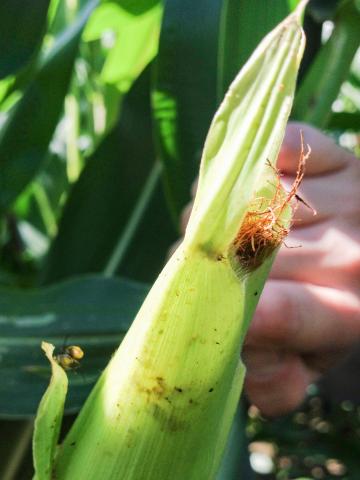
(48,419)
(164,405)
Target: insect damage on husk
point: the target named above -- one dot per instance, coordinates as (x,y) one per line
(263,229)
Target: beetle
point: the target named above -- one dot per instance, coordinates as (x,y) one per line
(69,358)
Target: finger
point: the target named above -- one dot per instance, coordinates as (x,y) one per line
(173,249)
(304,318)
(325,156)
(324,254)
(184,218)
(336,194)
(276,385)
(194,187)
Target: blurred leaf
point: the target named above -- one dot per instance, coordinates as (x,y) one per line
(48,419)
(102,202)
(322,10)
(93,312)
(134,38)
(28,131)
(150,244)
(105,18)
(354,77)
(54,5)
(344,121)
(241,32)
(18,438)
(185,91)
(40,203)
(22,26)
(330,68)
(5,85)
(136,7)
(292,4)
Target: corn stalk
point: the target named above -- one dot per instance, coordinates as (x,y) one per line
(164,405)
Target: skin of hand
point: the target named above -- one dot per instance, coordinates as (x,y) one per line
(308,316)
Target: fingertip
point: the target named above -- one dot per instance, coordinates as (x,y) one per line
(282,392)
(173,249)
(325,155)
(194,187)
(184,217)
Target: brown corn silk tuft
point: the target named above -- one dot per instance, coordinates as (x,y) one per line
(264,229)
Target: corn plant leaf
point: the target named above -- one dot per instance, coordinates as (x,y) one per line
(21,30)
(322,82)
(241,31)
(93,312)
(135,39)
(183,102)
(135,7)
(322,10)
(25,136)
(344,121)
(48,418)
(102,202)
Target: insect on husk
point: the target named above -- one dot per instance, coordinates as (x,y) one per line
(69,358)
(264,229)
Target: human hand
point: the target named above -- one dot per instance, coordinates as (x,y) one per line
(309,313)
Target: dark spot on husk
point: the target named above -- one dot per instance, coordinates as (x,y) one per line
(154,390)
(169,420)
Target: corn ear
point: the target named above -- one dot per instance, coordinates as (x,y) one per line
(164,405)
